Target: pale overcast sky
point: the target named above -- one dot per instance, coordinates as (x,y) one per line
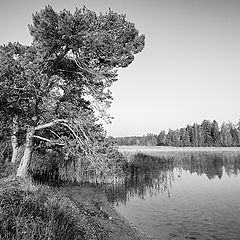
(189,70)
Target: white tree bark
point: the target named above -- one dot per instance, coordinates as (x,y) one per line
(15,152)
(25,160)
(14,141)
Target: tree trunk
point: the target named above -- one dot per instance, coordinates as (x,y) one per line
(25,160)
(14,140)
(14,153)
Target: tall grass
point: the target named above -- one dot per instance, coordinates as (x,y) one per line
(29,212)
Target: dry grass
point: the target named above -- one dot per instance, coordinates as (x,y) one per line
(30,212)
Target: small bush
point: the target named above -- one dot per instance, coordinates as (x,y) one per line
(28,213)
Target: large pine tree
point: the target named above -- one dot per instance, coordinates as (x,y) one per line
(50,90)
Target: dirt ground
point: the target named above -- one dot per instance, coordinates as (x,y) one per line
(101,217)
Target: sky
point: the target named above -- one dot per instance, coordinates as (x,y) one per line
(188,71)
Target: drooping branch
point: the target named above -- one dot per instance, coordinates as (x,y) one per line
(64,123)
(47,125)
(42,138)
(55,134)
(73,132)
(49,140)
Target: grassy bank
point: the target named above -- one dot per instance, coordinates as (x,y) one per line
(37,212)
(31,211)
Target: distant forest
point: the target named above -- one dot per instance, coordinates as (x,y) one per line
(207,134)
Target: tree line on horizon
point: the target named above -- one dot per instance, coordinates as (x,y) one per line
(207,134)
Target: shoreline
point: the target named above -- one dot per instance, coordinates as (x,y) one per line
(135,148)
(79,212)
(103,214)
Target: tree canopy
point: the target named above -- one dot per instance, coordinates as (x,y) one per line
(51,90)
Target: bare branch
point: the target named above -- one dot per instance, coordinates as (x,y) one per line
(83,133)
(49,140)
(47,125)
(55,134)
(73,132)
(63,122)
(42,138)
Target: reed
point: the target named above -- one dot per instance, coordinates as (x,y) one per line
(52,167)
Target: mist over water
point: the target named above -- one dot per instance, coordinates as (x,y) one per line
(182,195)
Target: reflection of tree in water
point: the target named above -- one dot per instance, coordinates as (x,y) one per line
(211,164)
(201,163)
(153,174)
(145,174)
(231,164)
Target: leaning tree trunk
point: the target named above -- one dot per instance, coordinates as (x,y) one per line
(15,149)
(25,160)
(14,140)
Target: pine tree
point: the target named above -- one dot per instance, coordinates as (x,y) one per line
(225,135)
(161,138)
(207,129)
(176,138)
(216,134)
(51,90)
(169,138)
(195,135)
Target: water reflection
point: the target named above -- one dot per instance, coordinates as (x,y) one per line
(211,164)
(153,174)
(145,174)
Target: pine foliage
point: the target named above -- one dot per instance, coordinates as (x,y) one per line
(53,92)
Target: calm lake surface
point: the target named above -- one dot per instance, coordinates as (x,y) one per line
(182,195)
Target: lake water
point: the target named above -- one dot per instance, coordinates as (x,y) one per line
(182,195)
